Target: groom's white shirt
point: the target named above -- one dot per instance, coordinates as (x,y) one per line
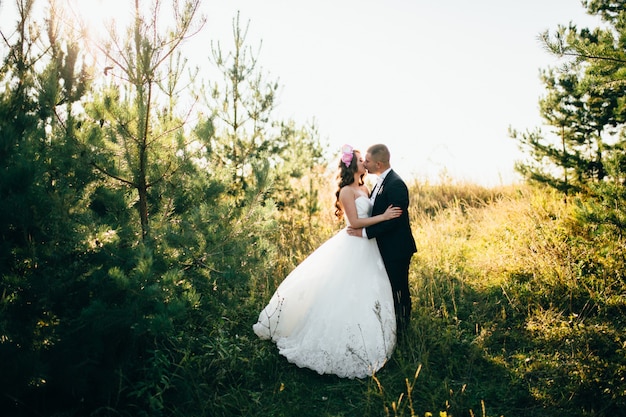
(376,190)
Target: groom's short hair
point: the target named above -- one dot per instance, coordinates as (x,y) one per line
(379,153)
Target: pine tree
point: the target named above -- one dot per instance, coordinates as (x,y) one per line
(243,104)
(138,132)
(584,104)
(44,180)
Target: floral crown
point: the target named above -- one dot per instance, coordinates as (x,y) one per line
(346,154)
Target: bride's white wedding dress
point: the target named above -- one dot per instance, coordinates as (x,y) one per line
(334,312)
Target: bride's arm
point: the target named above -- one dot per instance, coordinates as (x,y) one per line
(346,198)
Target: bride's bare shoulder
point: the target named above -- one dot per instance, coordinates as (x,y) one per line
(351,193)
(347,190)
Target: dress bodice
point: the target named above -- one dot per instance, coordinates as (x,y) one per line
(363,208)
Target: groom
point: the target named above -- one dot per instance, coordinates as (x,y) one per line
(394,237)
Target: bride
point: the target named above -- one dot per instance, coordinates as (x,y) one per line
(334,312)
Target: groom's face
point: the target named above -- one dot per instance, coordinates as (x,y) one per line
(369,164)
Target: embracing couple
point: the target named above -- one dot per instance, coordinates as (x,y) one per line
(341,310)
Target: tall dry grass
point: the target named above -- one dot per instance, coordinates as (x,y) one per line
(531,285)
(518,306)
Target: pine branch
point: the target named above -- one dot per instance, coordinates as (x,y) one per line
(109,174)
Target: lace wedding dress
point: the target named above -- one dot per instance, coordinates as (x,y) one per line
(334,312)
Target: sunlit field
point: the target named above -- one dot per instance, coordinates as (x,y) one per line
(505,321)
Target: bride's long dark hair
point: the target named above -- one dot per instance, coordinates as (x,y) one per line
(346,177)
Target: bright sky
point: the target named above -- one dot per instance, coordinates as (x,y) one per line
(439,82)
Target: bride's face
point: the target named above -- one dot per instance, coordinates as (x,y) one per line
(359,164)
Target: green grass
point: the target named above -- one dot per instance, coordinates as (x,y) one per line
(518,311)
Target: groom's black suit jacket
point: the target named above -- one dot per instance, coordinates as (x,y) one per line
(394,237)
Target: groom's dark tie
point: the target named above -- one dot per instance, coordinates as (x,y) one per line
(379,182)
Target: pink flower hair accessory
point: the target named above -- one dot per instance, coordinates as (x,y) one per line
(346,154)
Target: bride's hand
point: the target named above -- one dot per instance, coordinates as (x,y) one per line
(392,212)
